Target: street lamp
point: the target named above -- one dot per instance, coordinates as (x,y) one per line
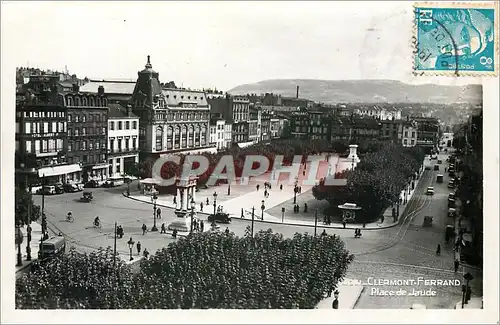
(154,197)
(28,223)
(465,289)
(215,207)
(262,207)
(295,190)
(19,241)
(193,205)
(130,246)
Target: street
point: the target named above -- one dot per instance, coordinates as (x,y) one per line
(407,251)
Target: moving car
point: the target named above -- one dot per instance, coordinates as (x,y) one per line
(113,182)
(87,197)
(439,161)
(427,221)
(436,167)
(439,178)
(430,190)
(48,190)
(220,217)
(91,184)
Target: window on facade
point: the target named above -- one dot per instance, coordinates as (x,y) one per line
(119,125)
(134,125)
(84,145)
(91,145)
(84,118)
(127,125)
(52,145)
(70,146)
(84,131)
(54,127)
(134,143)
(77,119)
(103,130)
(44,145)
(27,128)
(111,125)
(413,134)
(28,146)
(405,141)
(159,139)
(412,142)
(45,127)
(111,144)
(406,134)
(85,159)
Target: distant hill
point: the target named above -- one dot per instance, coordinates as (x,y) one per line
(364,91)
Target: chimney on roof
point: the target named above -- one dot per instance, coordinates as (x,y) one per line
(129,109)
(297,94)
(100,90)
(76,88)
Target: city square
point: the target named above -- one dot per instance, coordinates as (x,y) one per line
(164,180)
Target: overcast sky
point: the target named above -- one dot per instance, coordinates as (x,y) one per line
(215,44)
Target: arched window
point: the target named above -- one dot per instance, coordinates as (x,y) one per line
(98,102)
(170,137)
(159,139)
(104,102)
(91,101)
(84,101)
(77,101)
(69,100)
(190,137)
(203,136)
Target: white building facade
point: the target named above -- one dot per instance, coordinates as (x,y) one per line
(123,139)
(217,128)
(409,135)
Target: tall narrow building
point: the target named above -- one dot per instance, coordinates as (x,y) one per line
(170,119)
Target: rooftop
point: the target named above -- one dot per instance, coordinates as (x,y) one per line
(173,97)
(110,87)
(118,111)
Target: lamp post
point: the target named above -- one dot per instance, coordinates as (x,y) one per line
(282,214)
(295,190)
(262,207)
(28,222)
(128,186)
(130,247)
(193,205)
(229,189)
(465,288)
(215,207)
(19,241)
(154,197)
(253,218)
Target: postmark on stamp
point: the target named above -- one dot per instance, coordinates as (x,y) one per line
(455,39)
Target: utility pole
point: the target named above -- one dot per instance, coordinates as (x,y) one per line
(114,250)
(253,218)
(315,222)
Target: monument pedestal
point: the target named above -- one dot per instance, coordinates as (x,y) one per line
(182,223)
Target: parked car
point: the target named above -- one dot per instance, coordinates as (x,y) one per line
(430,190)
(427,167)
(59,188)
(439,161)
(220,217)
(451,183)
(113,182)
(91,184)
(451,196)
(72,187)
(48,190)
(451,203)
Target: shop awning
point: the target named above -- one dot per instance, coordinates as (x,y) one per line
(245,144)
(151,181)
(100,166)
(59,170)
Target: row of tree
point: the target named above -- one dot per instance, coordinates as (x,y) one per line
(206,270)
(288,148)
(376,182)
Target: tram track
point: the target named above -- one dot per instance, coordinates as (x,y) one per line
(418,203)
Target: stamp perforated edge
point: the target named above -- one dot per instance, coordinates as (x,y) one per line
(468,5)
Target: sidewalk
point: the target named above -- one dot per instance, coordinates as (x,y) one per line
(36,235)
(349,294)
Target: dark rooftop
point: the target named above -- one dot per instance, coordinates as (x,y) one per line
(119,111)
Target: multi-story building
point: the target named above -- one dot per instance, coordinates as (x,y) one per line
(319,125)
(236,111)
(253,131)
(218,138)
(255,114)
(391,129)
(379,112)
(427,132)
(87,133)
(409,134)
(275,127)
(228,135)
(41,140)
(299,124)
(123,139)
(265,126)
(170,119)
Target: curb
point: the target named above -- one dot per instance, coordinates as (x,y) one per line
(276,222)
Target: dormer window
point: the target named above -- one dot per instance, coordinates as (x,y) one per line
(175,96)
(189,97)
(182,97)
(195,97)
(168,96)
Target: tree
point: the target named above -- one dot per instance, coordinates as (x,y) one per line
(23,201)
(206,270)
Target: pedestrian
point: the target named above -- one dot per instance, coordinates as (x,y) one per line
(144,228)
(324,219)
(323,233)
(281,187)
(208,202)
(145,253)
(265,193)
(227,230)
(257,186)
(329,220)
(304,172)
(364,224)
(305,207)
(445,169)
(438,250)
(344,223)
(175,200)
(201,206)
(300,189)
(457,264)
(138,247)
(158,213)
(163,229)
(202,225)
(174,233)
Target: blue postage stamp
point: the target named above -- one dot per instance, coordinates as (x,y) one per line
(455,38)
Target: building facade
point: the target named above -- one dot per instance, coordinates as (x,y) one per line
(123,139)
(265,126)
(218,133)
(409,136)
(391,129)
(299,124)
(87,134)
(379,113)
(236,111)
(170,119)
